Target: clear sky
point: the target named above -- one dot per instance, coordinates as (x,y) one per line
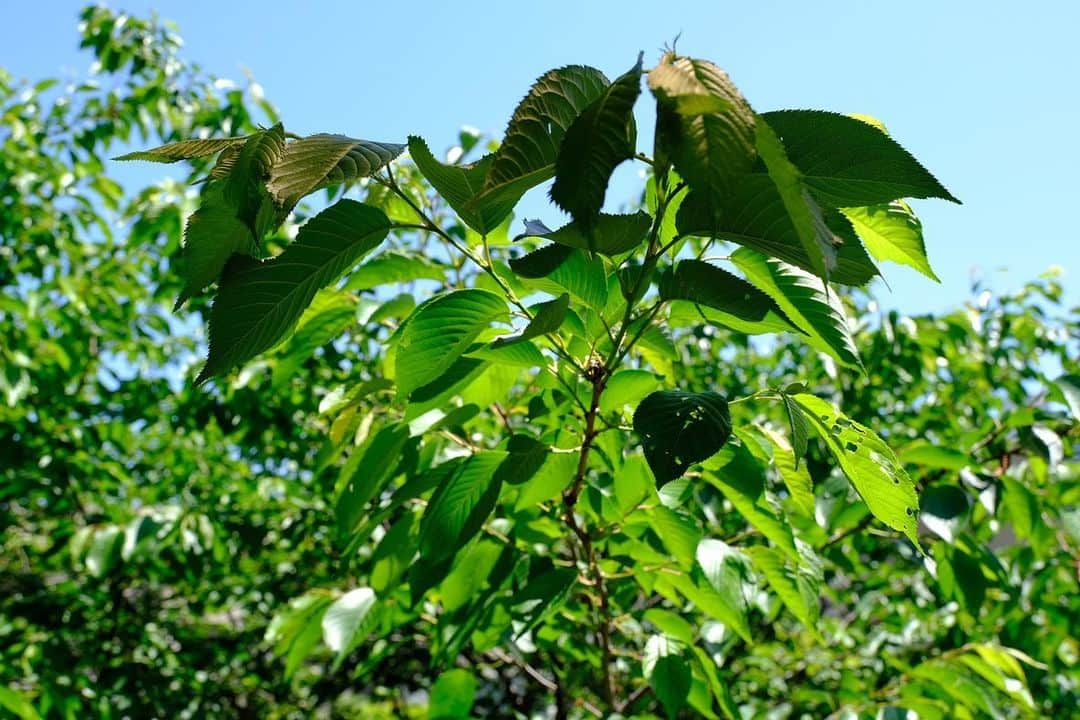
(986,94)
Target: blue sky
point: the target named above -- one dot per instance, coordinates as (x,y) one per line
(984,93)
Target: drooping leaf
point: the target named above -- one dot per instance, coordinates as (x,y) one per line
(869,464)
(365,473)
(599,139)
(460,505)
(704,124)
(794,476)
(803,299)
(213,234)
(439,331)
(245,186)
(460,184)
(818,240)
(892,232)
(259,302)
(679,533)
(799,430)
(847,162)
(325,159)
(547,318)
(296,629)
(796,589)
(347,621)
(724,571)
(611,234)
(705,284)
(184,150)
(540,597)
(530,147)
(679,428)
(667,671)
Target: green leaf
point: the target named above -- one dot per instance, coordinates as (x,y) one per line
(14,702)
(296,629)
(806,217)
(892,232)
(667,671)
(679,429)
(626,388)
(804,299)
(347,622)
(328,316)
(184,150)
(324,159)
(554,268)
(869,464)
(1069,385)
(795,477)
(725,570)
(104,551)
(245,185)
(213,235)
(530,147)
(850,163)
(610,234)
(927,454)
(671,625)
(754,215)
(599,139)
(522,354)
(439,331)
(547,318)
(460,505)
(366,471)
(459,185)
(393,267)
(704,125)
(728,295)
(452,696)
(796,589)
(541,596)
(679,533)
(394,554)
(800,432)
(259,302)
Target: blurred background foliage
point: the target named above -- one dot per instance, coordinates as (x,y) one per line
(152,531)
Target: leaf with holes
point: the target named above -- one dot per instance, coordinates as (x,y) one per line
(530,147)
(599,139)
(803,298)
(259,302)
(679,429)
(439,331)
(869,464)
(847,162)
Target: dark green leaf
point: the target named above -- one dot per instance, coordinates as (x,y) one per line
(184,150)
(259,302)
(599,139)
(452,696)
(547,318)
(705,284)
(667,671)
(213,234)
(679,429)
(851,163)
(611,234)
(460,505)
(460,184)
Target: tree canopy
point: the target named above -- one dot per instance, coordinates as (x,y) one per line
(429,459)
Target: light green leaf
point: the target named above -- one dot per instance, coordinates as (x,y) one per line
(796,589)
(184,150)
(530,147)
(393,267)
(799,430)
(296,629)
(104,550)
(728,295)
(869,464)
(704,125)
(679,429)
(611,234)
(347,622)
(927,454)
(667,671)
(460,184)
(213,234)
(324,159)
(554,268)
(627,387)
(892,232)
(547,318)
(439,331)
(795,477)
(599,139)
(847,162)
(329,314)
(679,533)
(803,298)
(452,696)
(259,302)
